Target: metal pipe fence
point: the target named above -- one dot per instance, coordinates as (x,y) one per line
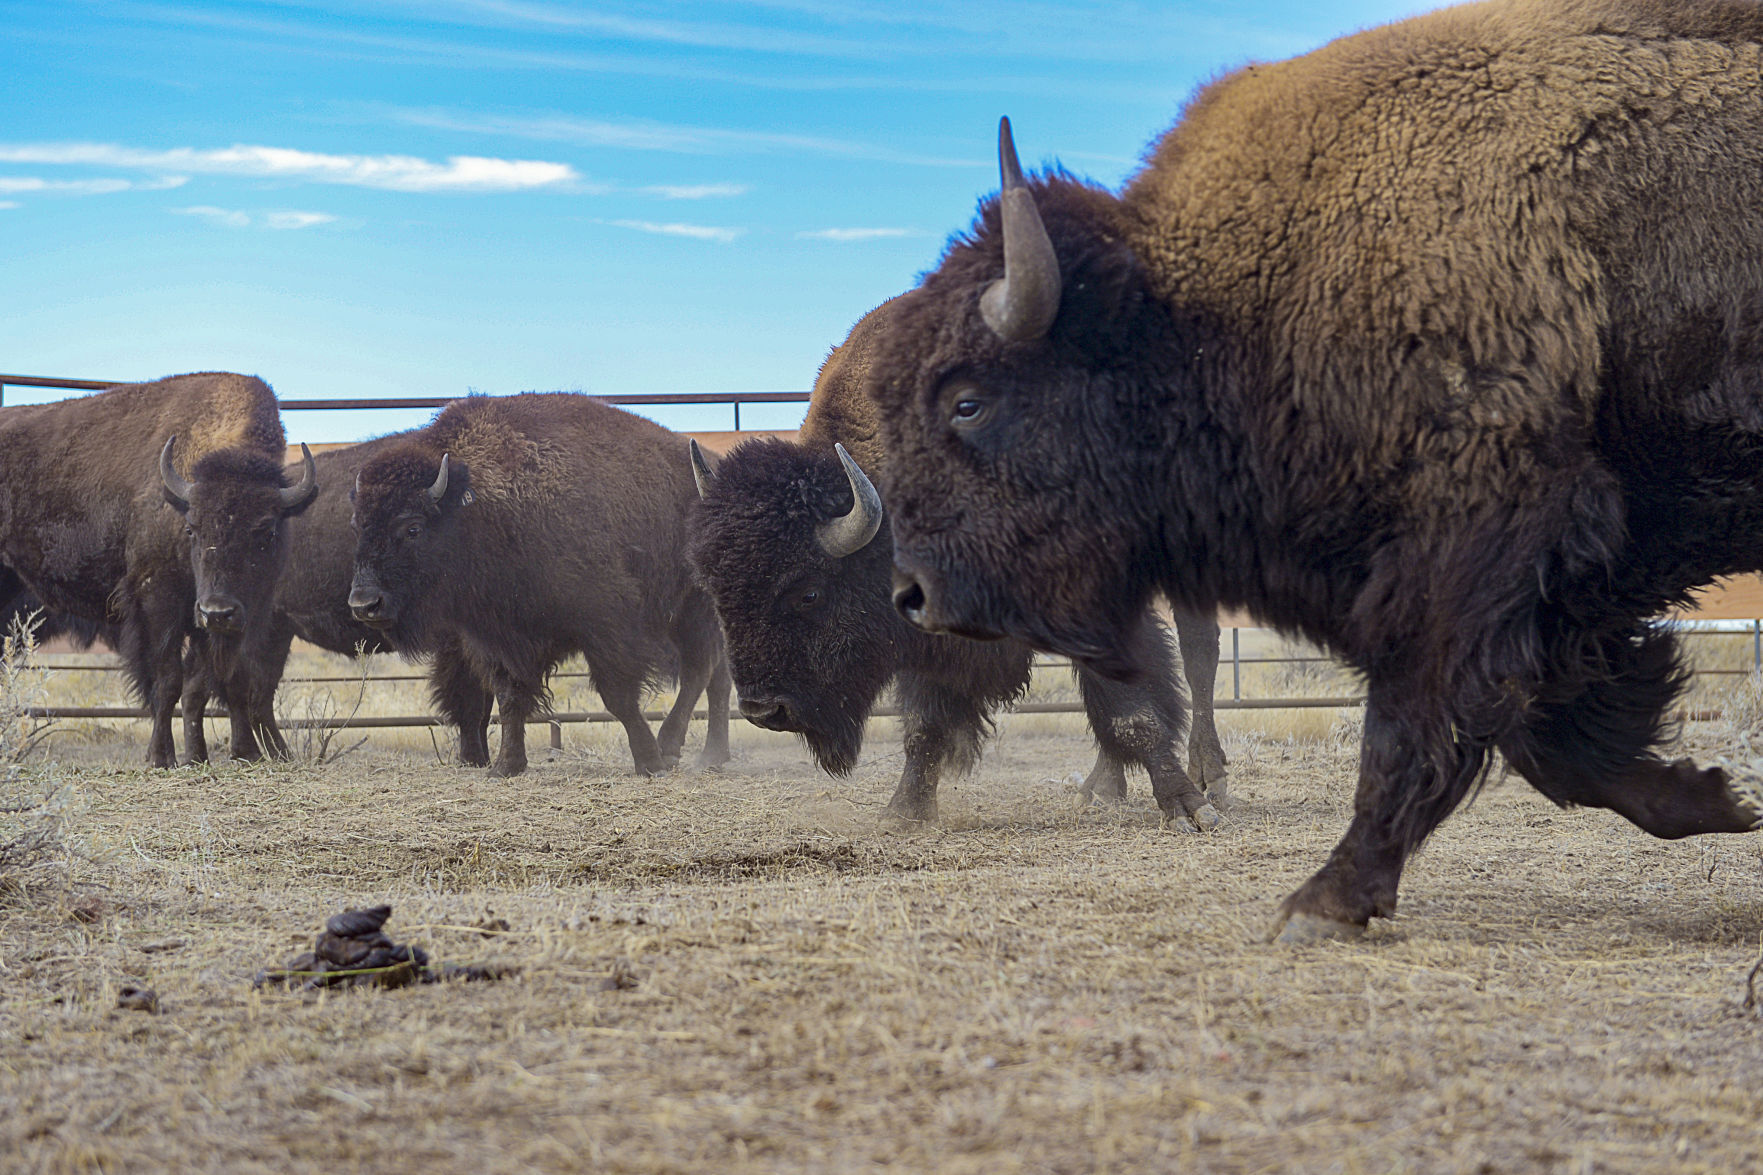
(660,400)
(1236,700)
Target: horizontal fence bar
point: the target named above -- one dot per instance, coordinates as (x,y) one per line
(577,716)
(659,399)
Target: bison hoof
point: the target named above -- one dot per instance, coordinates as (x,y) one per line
(502,769)
(710,762)
(1206,818)
(910,814)
(1301,929)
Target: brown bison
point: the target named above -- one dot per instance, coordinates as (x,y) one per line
(793,545)
(84,526)
(527,528)
(1442,345)
(312,603)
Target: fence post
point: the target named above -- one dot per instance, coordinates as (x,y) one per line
(1236,664)
(556,735)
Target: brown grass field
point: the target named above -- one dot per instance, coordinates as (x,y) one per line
(749,972)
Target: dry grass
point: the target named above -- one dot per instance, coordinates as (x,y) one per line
(1024,987)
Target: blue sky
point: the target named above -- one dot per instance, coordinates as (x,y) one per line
(423,198)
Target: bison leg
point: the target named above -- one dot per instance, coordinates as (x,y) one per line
(464,701)
(716,752)
(195,704)
(163,697)
(1140,723)
(1106,779)
(1590,741)
(624,699)
(943,728)
(1401,798)
(1198,635)
(258,676)
(515,701)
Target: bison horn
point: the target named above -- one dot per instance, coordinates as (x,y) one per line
(175,486)
(1021,306)
(296,496)
(439,489)
(700,469)
(851,532)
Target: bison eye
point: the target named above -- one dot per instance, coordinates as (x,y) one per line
(969,412)
(189,531)
(809,598)
(413,531)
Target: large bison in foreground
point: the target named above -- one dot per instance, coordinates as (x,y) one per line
(90,502)
(1442,345)
(793,545)
(312,603)
(527,528)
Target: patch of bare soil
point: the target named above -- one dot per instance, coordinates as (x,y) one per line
(750,971)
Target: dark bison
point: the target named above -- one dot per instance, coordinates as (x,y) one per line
(312,603)
(527,528)
(793,545)
(1442,345)
(85,528)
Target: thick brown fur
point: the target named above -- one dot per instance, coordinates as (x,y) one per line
(86,526)
(1441,345)
(561,531)
(813,641)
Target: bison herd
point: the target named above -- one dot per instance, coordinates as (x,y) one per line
(1441,346)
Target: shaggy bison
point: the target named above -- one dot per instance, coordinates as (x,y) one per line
(1442,345)
(312,603)
(84,525)
(793,545)
(527,528)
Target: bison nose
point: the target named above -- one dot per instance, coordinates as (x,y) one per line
(368,604)
(910,599)
(218,615)
(771,713)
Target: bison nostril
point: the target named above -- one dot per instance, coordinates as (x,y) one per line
(767,712)
(909,599)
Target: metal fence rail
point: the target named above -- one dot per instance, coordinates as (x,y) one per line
(658,400)
(1237,661)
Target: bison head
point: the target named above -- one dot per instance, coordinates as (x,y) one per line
(1023,451)
(407,539)
(791,545)
(235,511)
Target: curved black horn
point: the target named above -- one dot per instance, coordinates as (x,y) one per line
(439,489)
(700,469)
(1021,305)
(851,533)
(175,485)
(296,496)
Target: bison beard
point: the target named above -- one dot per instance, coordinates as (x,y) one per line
(1462,382)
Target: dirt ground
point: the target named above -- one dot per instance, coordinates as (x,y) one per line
(749,971)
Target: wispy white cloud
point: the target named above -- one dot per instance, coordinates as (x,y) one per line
(694,191)
(6,204)
(697,232)
(237,218)
(855,234)
(643,135)
(400,173)
(92,187)
(296,220)
(231,217)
